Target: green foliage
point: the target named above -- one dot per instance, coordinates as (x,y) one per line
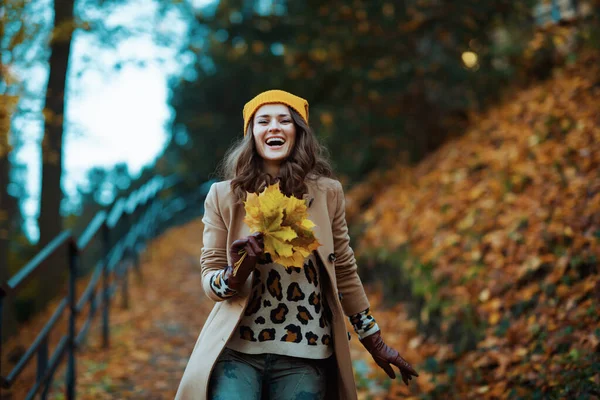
(384,81)
(405,278)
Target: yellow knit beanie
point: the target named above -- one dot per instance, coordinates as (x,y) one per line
(274,96)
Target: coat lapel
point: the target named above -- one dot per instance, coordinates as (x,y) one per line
(318,215)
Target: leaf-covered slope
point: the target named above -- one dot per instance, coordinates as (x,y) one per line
(499,231)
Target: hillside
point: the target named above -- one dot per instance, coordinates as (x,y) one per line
(497,238)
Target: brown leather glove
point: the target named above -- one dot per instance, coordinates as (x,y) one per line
(385,355)
(253,246)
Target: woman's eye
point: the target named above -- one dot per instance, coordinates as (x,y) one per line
(286,121)
(262,122)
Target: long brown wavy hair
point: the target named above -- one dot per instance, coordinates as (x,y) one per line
(308,160)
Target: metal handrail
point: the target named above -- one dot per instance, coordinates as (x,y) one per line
(91,230)
(25,274)
(123,232)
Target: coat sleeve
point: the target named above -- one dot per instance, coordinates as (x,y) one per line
(214,242)
(353,297)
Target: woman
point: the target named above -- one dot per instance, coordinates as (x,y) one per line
(275,332)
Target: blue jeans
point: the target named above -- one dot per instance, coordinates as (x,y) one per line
(239,376)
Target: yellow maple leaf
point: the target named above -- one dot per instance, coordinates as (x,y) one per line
(295,211)
(283,220)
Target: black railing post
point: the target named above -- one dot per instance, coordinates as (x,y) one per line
(144,234)
(71,373)
(136,264)
(124,266)
(42,365)
(153,224)
(105,293)
(156,215)
(2,294)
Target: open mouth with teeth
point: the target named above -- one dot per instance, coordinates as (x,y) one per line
(275,142)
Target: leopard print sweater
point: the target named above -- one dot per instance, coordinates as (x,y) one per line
(286,313)
(363,322)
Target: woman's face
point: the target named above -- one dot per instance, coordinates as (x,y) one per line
(274,133)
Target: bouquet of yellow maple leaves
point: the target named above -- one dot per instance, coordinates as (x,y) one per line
(287,231)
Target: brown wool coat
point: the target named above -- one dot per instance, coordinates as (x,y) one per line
(223,223)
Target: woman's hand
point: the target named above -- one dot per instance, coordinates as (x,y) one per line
(253,247)
(385,355)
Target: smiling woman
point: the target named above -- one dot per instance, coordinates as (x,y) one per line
(278,332)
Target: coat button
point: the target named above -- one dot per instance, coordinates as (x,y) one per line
(332,257)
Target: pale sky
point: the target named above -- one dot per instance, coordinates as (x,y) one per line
(113,116)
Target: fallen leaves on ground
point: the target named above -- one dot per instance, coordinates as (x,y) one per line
(498,233)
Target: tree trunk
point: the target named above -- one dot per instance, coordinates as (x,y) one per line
(50,220)
(4,215)
(7,104)
(7,323)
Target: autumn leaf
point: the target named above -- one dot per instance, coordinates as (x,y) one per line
(283,220)
(277,241)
